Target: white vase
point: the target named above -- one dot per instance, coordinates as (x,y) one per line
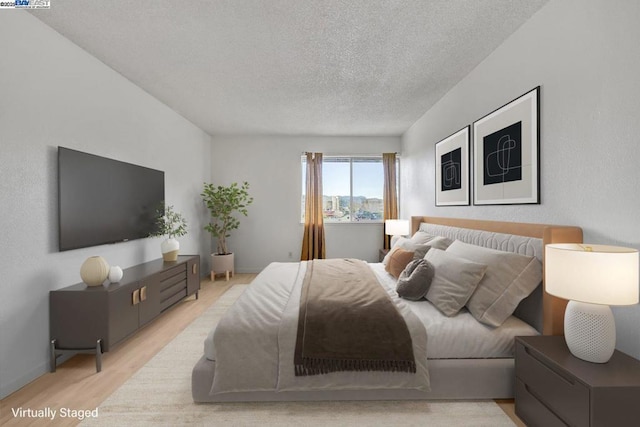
(115,274)
(94,271)
(170,249)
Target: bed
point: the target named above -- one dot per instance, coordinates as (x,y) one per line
(248,358)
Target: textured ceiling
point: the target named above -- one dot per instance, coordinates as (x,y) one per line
(302,67)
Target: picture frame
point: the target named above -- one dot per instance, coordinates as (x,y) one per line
(506,153)
(452,169)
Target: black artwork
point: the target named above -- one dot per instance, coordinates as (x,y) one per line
(503,155)
(451,170)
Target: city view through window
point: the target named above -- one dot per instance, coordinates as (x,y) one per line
(352,189)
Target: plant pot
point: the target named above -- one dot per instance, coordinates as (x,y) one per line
(221,264)
(170,249)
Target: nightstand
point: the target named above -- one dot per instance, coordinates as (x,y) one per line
(382,253)
(554,388)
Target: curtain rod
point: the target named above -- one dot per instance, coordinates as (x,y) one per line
(304,153)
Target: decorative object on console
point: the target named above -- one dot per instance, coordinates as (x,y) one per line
(505,149)
(223,203)
(171,224)
(452,169)
(94,271)
(592,277)
(115,274)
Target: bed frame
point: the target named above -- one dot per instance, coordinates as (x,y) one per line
(450,378)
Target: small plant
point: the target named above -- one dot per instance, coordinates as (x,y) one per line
(169,223)
(223,203)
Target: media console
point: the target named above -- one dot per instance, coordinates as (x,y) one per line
(88,319)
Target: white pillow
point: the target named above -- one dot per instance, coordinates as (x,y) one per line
(509,278)
(454,280)
(423,237)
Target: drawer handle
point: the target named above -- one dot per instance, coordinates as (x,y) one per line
(136,297)
(194,269)
(143,293)
(561,375)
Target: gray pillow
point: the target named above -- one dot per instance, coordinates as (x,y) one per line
(509,278)
(454,281)
(415,280)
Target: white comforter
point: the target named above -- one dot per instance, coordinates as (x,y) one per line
(254,342)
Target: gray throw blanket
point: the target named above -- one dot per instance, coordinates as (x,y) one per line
(348,322)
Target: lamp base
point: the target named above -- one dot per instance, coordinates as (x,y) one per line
(590,331)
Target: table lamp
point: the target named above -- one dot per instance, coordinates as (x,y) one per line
(591,277)
(396,227)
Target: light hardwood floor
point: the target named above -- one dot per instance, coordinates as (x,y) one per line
(76,385)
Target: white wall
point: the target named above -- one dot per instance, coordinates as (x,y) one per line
(54,93)
(271,165)
(584,54)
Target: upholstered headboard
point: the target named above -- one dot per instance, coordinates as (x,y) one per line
(524,238)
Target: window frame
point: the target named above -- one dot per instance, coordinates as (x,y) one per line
(351,158)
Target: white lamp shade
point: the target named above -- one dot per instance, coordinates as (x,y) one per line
(396,227)
(596,274)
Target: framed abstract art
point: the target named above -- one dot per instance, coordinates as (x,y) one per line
(506,146)
(452,169)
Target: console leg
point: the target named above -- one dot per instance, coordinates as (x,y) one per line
(197,294)
(213,276)
(98,355)
(52,356)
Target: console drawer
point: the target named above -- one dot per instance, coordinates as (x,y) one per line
(173,280)
(165,304)
(532,411)
(167,274)
(172,290)
(563,395)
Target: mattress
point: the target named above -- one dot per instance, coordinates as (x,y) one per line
(458,337)
(254,342)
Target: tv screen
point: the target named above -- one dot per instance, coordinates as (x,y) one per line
(105,201)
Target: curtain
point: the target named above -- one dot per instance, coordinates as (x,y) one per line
(313,239)
(390,195)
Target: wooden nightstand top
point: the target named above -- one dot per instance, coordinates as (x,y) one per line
(621,370)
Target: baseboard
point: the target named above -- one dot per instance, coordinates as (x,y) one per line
(15,385)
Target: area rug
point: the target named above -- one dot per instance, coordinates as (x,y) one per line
(160,394)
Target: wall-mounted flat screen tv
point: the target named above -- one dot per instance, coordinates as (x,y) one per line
(105,201)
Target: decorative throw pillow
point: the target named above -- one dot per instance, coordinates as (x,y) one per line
(398,261)
(454,281)
(418,247)
(403,243)
(510,278)
(415,280)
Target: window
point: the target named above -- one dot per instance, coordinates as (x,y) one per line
(352,189)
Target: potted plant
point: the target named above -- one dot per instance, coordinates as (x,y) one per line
(223,203)
(171,224)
